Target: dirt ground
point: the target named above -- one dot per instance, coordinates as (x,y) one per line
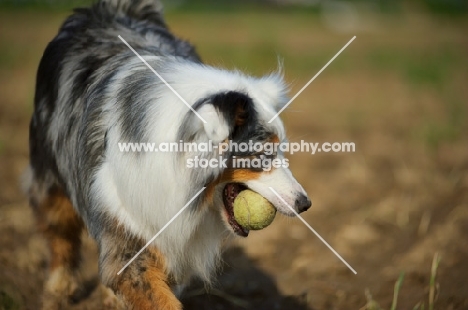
(399,92)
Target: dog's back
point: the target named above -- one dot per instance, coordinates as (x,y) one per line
(67,136)
(84,56)
(73,78)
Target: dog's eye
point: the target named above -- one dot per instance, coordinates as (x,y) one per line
(266,156)
(254,162)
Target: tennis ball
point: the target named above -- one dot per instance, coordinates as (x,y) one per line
(252,211)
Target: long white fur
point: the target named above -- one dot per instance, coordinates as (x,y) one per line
(144,192)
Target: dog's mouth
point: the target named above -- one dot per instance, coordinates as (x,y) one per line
(230,192)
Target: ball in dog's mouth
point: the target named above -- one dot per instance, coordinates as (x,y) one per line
(253,211)
(246,210)
(231,190)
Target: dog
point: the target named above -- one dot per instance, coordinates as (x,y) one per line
(92,93)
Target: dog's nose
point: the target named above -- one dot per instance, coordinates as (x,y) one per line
(303,203)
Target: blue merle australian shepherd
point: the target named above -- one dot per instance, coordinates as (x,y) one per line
(93,93)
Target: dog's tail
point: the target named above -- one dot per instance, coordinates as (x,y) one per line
(137,9)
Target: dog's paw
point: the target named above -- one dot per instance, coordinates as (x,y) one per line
(59,289)
(110,300)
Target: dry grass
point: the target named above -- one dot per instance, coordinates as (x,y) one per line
(433,287)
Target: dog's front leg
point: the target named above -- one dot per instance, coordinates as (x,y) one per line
(144,284)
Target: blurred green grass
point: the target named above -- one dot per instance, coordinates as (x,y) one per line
(421,66)
(422,58)
(7,302)
(450,7)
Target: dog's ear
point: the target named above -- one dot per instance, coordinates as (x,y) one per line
(216,127)
(228,115)
(273,90)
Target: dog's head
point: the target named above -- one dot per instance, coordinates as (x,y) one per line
(244,153)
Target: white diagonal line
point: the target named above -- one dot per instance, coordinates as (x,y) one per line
(313,230)
(162,79)
(311,80)
(161,230)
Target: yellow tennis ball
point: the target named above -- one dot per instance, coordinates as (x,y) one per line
(252,211)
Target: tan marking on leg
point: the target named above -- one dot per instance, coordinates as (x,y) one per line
(144,284)
(61,226)
(110,300)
